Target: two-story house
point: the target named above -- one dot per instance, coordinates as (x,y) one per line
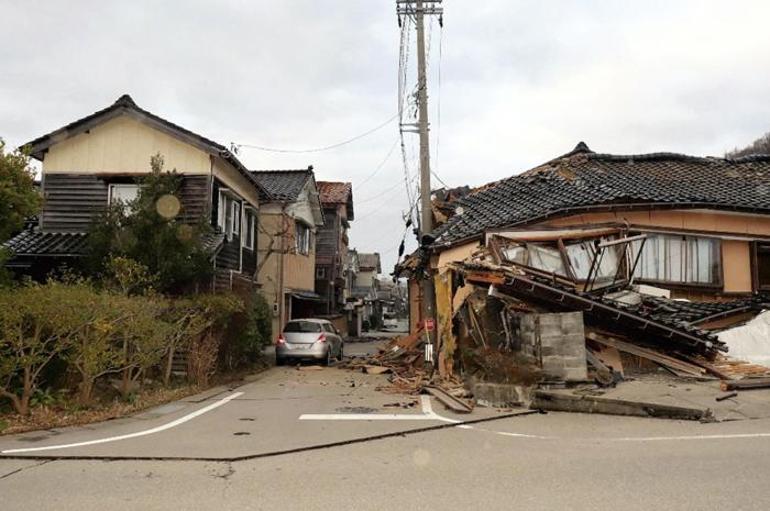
(95,160)
(290,217)
(332,245)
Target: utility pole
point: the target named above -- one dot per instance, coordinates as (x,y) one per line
(418,9)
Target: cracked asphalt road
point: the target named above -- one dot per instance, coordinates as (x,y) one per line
(554,461)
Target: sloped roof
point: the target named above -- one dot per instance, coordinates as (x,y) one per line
(283,185)
(125,104)
(38,243)
(34,243)
(583,180)
(369,261)
(335,192)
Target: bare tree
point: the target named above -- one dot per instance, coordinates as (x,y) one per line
(759,146)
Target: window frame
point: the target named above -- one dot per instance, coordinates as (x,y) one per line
(757,247)
(113,186)
(718,272)
(302,248)
(249,228)
(236,213)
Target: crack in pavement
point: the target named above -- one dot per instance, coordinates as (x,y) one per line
(271,454)
(22,469)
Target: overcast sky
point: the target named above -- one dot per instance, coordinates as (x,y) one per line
(521,81)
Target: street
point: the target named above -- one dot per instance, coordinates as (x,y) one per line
(290,439)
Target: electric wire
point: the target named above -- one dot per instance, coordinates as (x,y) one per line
(379,167)
(319,149)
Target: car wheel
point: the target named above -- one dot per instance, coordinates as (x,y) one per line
(328,358)
(280,361)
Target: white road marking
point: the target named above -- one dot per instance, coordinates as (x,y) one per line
(164,427)
(365,417)
(426,415)
(429,414)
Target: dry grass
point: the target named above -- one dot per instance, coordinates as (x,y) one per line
(47,417)
(68,414)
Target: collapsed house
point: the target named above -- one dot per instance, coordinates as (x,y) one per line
(593,264)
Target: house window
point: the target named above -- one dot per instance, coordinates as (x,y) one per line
(228,218)
(236,217)
(229,214)
(249,220)
(302,238)
(763,266)
(320,273)
(124,193)
(679,260)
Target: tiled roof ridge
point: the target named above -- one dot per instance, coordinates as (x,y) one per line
(668,156)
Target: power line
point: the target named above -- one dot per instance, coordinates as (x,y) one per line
(318,149)
(379,167)
(389,189)
(379,207)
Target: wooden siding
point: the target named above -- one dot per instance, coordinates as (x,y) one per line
(249,262)
(194,195)
(72,201)
(229,257)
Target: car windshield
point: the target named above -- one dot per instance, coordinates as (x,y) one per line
(302,326)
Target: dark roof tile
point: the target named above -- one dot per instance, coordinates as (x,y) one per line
(583,180)
(283,185)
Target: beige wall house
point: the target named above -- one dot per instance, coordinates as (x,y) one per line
(705,222)
(288,225)
(95,160)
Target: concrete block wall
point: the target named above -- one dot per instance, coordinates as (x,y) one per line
(557,341)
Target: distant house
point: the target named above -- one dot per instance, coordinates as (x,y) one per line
(290,217)
(365,287)
(697,228)
(95,160)
(332,245)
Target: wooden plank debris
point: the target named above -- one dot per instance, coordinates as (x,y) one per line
(563,402)
(655,356)
(746,384)
(453,403)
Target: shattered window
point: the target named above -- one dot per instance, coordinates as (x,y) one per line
(546,259)
(679,259)
(516,254)
(581,257)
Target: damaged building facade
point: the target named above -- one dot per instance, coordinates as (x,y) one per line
(590,261)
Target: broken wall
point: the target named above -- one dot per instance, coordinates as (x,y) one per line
(557,341)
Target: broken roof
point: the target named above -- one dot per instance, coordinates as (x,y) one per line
(582,180)
(283,185)
(126,105)
(333,192)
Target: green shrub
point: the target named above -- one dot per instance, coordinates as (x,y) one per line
(34,328)
(150,232)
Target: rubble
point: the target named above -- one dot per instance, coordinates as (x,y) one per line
(534,319)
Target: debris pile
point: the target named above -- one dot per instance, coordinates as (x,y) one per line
(403,361)
(556,314)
